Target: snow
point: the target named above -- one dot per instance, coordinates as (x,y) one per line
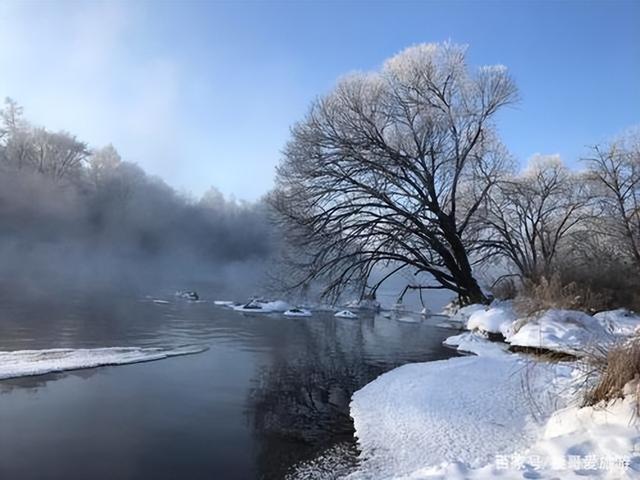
(345,314)
(619,322)
(462,315)
(21,363)
(498,414)
(566,331)
(297,312)
(472,342)
(424,414)
(591,442)
(263,306)
(499,318)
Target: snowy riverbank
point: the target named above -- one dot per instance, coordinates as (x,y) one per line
(499,414)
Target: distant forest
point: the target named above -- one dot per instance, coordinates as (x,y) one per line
(68,209)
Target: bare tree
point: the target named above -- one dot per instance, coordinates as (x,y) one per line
(375,173)
(615,170)
(14,136)
(529,216)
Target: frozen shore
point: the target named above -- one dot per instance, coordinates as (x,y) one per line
(499,414)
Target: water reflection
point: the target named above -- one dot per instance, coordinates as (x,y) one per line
(301,399)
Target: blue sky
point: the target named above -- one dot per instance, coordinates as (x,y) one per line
(204,93)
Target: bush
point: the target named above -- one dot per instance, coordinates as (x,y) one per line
(616,368)
(606,287)
(554,292)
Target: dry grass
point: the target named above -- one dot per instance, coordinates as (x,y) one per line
(557,292)
(616,367)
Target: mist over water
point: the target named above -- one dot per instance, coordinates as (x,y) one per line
(71,215)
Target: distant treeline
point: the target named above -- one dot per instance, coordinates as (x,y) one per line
(73,207)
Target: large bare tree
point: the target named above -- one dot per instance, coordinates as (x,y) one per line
(389,168)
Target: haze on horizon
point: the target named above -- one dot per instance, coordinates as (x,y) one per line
(204,93)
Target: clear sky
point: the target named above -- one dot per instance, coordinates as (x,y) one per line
(204,93)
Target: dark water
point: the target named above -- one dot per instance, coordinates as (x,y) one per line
(271,392)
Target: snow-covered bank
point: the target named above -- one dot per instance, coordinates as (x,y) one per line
(499,414)
(23,363)
(458,410)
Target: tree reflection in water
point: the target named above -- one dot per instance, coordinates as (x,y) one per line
(299,404)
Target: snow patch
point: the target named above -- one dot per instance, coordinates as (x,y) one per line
(23,363)
(619,322)
(424,414)
(565,331)
(472,342)
(297,312)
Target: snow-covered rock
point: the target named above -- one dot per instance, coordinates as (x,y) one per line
(619,322)
(565,331)
(263,306)
(21,363)
(472,342)
(345,314)
(499,317)
(187,295)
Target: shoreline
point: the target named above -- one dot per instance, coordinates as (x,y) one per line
(497,413)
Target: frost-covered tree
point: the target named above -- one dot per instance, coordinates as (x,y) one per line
(375,174)
(530,216)
(615,171)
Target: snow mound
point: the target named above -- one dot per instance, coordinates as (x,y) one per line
(345,314)
(619,322)
(263,306)
(23,363)
(498,318)
(462,315)
(565,331)
(472,342)
(424,414)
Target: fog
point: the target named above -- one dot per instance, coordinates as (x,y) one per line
(75,215)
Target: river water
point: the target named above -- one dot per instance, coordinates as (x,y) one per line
(269,395)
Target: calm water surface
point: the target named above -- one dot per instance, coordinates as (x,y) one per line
(270,394)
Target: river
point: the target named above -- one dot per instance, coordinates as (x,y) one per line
(270,394)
